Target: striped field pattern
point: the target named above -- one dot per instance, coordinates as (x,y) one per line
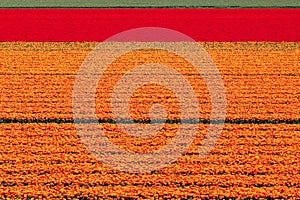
(256,156)
(255,45)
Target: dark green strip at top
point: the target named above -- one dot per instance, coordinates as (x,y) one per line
(149,4)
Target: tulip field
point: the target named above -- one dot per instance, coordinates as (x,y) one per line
(257,154)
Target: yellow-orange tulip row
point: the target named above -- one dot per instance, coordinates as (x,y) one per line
(256,156)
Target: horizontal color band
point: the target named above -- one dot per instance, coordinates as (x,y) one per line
(99,24)
(148,3)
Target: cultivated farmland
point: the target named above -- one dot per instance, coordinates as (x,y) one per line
(256,156)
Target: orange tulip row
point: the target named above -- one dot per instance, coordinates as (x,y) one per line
(254,159)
